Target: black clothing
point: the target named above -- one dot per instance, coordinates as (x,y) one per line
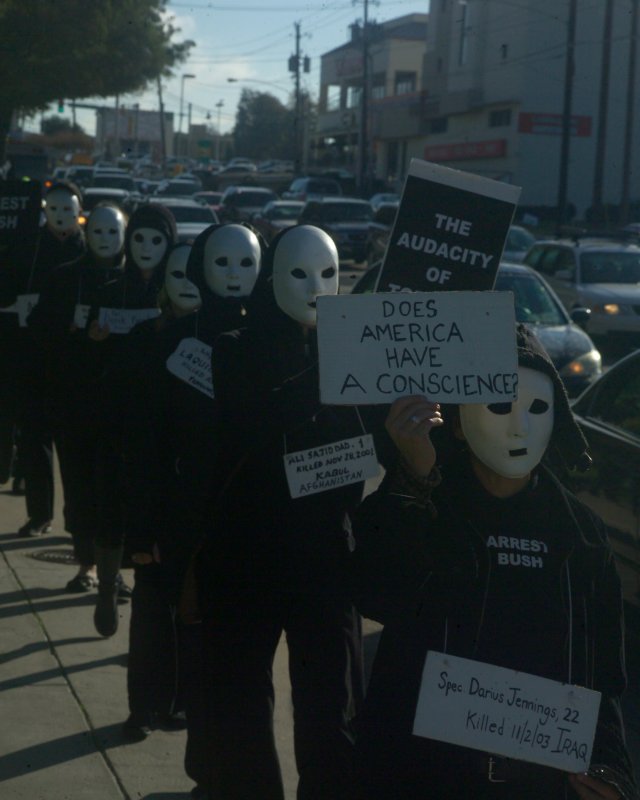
(500,581)
(73,368)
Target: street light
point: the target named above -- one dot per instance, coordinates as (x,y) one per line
(219,105)
(185,76)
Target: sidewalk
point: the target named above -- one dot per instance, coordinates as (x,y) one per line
(63,687)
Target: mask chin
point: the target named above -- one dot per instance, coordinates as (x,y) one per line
(511,438)
(305,266)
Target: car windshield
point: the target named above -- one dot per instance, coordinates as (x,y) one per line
(347,212)
(519,239)
(611,267)
(191,213)
(284,212)
(178,189)
(252,199)
(114,182)
(533,303)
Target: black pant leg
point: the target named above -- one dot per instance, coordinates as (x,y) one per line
(7,441)
(111,531)
(35,453)
(240,640)
(152,671)
(323,636)
(191,681)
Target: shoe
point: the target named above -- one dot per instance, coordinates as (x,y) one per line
(81,584)
(105,616)
(124,591)
(31,529)
(176,721)
(137,727)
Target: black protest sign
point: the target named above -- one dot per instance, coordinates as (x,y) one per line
(20,207)
(449,232)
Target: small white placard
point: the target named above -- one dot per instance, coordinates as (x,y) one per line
(330,466)
(24,305)
(507,713)
(122,320)
(191,362)
(81,315)
(453,347)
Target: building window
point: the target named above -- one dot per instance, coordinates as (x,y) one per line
(504,51)
(378,86)
(353,96)
(333,98)
(500,118)
(405,82)
(439,125)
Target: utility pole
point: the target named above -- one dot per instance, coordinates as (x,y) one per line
(566,116)
(363,149)
(628,127)
(298,116)
(598,176)
(163,138)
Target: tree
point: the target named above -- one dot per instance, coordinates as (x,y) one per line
(264,126)
(75,49)
(50,126)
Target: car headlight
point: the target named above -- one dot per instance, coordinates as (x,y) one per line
(611,309)
(589,364)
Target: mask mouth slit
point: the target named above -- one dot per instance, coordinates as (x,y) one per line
(521,452)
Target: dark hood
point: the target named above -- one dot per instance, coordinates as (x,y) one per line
(68,186)
(151,216)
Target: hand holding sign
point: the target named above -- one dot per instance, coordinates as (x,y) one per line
(588,788)
(409,424)
(97,333)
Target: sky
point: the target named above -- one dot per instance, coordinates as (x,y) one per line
(251,41)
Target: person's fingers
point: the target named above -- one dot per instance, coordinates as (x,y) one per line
(409,413)
(589,788)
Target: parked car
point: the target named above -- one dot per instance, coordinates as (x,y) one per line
(518,243)
(191,217)
(346,220)
(383,220)
(94,195)
(609,415)
(381,198)
(178,187)
(241,202)
(312,189)
(600,274)
(80,175)
(211,199)
(575,356)
(276,216)
(116,180)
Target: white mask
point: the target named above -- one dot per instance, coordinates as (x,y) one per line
(232,259)
(305,266)
(511,438)
(182,293)
(62,210)
(105,231)
(148,246)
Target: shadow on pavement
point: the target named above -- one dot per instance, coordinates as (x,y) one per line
(59,751)
(66,601)
(9,541)
(55,672)
(35,647)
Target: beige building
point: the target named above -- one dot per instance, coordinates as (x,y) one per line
(396,51)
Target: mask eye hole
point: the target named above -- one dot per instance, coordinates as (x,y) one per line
(156,240)
(499,408)
(329,272)
(53,208)
(299,273)
(222,261)
(97,230)
(246,262)
(177,273)
(539,406)
(138,237)
(113,231)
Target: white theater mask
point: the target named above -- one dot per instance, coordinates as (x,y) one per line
(232,259)
(184,294)
(62,209)
(305,266)
(105,231)
(148,246)
(511,438)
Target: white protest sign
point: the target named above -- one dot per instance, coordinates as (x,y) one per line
(453,347)
(326,467)
(24,305)
(122,320)
(191,362)
(507,713)
(81,315)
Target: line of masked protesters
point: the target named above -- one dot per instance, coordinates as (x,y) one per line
(176,382)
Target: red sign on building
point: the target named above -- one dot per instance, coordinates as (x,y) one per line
(495,148)
(551,124)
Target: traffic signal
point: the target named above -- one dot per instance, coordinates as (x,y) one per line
(60,106)
(307,64)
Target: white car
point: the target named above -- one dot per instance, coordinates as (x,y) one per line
(600,274)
